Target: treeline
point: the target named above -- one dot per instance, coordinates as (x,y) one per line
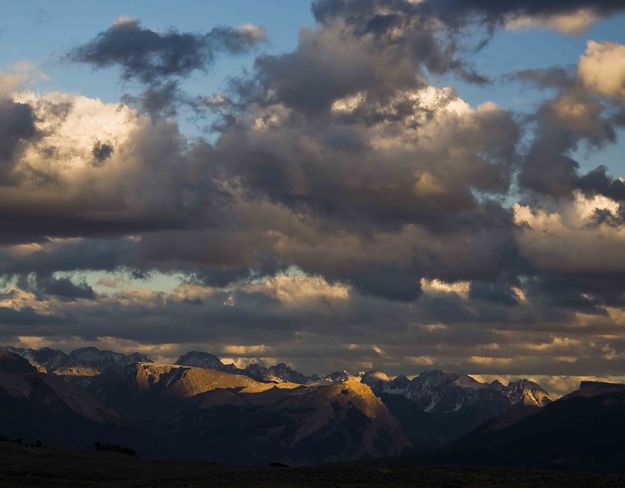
(18,440)
(115,448)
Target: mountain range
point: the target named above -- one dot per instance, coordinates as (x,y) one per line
(200,408)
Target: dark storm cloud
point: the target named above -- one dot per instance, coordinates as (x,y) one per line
(74,254)
(62,287)
(101,152)
(325,10)
(598,181)
(289,164)
(381,15)
(358,49)
(149,56)
(563,124)
(160,99)
(17,126)
(497,11)
(144,183)
(158,59)
(65,288)
(22,317)
(493,292)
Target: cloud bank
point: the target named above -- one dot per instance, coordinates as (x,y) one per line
(346,212)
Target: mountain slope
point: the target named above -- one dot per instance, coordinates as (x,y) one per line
(524,392)
(582,431)
(39,406)
(201,408)
(86,361)
(274,374)
(187,382)
(438,407)
(297,426)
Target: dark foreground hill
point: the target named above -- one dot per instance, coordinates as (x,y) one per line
(583,431)
(36,467)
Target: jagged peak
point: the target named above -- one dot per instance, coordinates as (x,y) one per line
(376,374)
(198,357)
(11,362)
(526,392)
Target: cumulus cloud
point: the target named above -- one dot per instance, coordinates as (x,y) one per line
(76,166)
(276,152)
(602,68)
(18,76)
(17,126)
(571,238)
(574,119)
(344,213)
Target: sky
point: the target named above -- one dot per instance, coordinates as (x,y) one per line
(344,184)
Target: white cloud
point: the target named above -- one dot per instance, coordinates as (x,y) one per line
(568,239)
(602,68)
(299,289)
(569,23)
(436,286)
(18,76)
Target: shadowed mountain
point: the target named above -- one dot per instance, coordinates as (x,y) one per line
(438,407)
(232,418)
(584,430)
(86,361)
(42,407)
(524,392)
(274,374)
(201,413)
(304,425)
(201,408)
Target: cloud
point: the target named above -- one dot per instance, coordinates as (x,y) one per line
(345,212)
(569,23)
(598,181)
(602,68)
(251,322)
(19,75)
(160,59)
(148,55)
(101,152)
(437,286)
(62,287)
(17,126)
(573,119)
(565,15)
(77,166)
(275,152)
(299,290)
(570,239)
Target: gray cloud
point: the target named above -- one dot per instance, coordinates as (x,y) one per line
(159,59)
(598,181)
(150,56)
(388,200)
(101,152)
(17,126)
(460,11)
(574,117)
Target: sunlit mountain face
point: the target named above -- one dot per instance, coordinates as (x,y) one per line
(202,409)
(302,188)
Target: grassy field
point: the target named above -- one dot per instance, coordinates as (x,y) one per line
(25,467)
